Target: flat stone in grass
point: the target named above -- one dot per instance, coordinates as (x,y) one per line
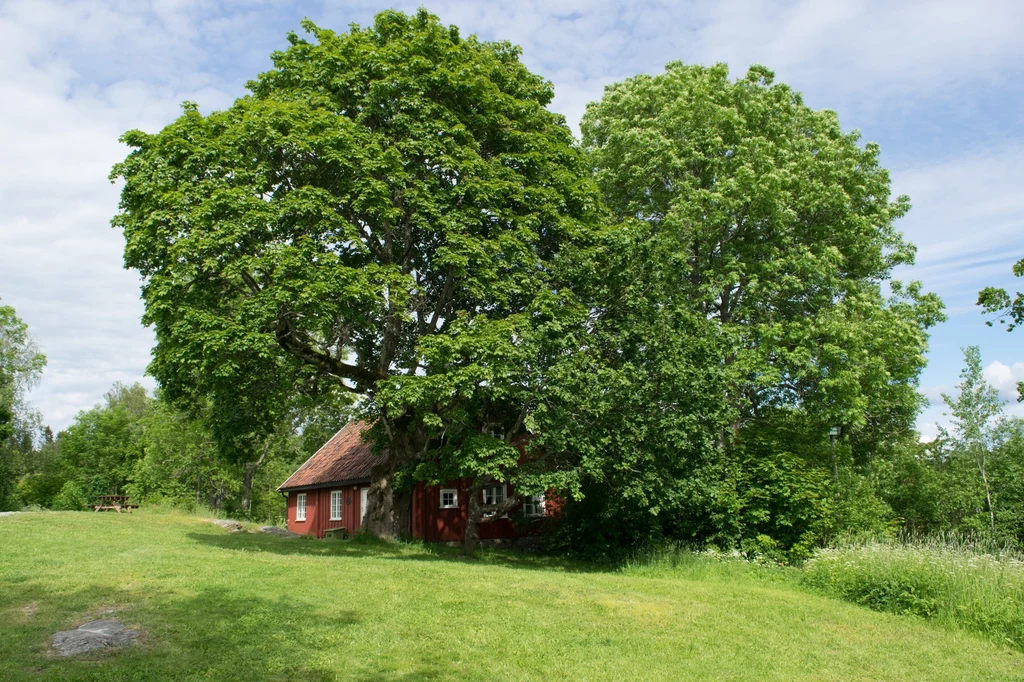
(231,526)
(99,634)
(280,532)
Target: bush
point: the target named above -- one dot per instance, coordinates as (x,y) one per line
(948,580)
(40,489)
(70,498)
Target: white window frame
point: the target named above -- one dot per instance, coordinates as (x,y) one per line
(455,498)
(300,507)
(495,491)
(337,495)
(534,502)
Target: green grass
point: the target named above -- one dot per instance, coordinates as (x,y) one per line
(220,606)
(953,583)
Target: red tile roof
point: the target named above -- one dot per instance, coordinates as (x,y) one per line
(344,458)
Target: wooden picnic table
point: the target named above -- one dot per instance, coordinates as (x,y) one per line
(114,502)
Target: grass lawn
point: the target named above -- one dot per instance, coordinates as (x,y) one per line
(220,606)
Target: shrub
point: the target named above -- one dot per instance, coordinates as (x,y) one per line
(948,580)
(70,498)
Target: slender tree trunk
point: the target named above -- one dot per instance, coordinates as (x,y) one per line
(469,540)
(988,491)
(249,470)
(835,469)
(199,484)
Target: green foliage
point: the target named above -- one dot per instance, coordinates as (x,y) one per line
(950,582)
(973,412)
(772,502)
(100,448)
(21,363)
(784,231)
(997,301)
(70,498)
(909,482)
(20,366)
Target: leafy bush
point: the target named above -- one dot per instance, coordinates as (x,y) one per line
(964,586)
(70,498)
(40,489)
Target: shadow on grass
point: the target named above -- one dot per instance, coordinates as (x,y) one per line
(364,547)
(215,634)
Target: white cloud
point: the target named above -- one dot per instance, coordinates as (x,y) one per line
(1004,378)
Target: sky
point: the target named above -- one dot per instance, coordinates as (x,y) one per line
(937,84)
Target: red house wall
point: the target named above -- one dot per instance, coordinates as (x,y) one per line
(318,510)
(429,521)
(432,523)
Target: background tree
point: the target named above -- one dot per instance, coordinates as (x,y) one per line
(99,450)
(997,301)
(377,188)
(21,363)
(974,411)
(786,229)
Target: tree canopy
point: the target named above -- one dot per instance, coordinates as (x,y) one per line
(783,228)
(21,363)
(378,191)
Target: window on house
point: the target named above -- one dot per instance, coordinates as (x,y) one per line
(449,498)
(533,505)
(300,507)
(494,494)
(335,505)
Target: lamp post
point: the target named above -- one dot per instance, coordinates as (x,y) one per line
(833,433)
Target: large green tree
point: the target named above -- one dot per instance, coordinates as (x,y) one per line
(783,228)
(378,189)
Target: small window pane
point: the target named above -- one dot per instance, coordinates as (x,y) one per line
(494,495)
(335,505)
(449,498)
(300,507)
(533,505)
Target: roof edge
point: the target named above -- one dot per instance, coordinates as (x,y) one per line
(281,488)
(329,484)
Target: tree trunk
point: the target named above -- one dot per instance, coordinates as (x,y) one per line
(249,470)
(469,540)
(388,512)
(988,491)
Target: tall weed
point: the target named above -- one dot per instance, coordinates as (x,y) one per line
(970,585)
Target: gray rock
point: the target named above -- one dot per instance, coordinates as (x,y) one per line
(99,634)
(280,532)
(231,526)
(8,513)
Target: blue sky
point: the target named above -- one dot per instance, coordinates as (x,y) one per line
(936,83)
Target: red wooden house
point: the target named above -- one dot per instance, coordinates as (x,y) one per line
(330,489)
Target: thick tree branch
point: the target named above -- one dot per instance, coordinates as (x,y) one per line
(289,339)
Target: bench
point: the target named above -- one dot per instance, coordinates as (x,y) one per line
(114,503)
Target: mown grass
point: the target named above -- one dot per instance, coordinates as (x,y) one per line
(220,606)
(954,583)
